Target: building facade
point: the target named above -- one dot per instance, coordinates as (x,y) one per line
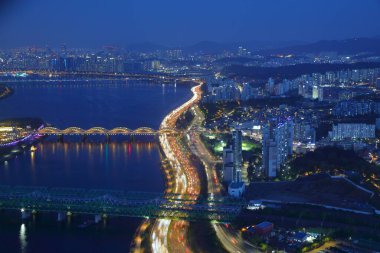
(277,145)
(237,141)
(352,131)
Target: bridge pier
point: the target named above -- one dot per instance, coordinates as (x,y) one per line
(60,138)
(84,138)
(69,215)
(108,138)
(61,216)
(97,218)
(25,214)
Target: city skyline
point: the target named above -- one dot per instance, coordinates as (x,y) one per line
(189,126)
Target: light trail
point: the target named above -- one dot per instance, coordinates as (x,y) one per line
(187,181)
(166,235)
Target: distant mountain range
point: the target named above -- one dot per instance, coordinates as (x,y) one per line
(145,47)
(348,46)
(215,47)
(210,47)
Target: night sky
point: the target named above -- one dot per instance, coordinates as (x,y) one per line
(93,23)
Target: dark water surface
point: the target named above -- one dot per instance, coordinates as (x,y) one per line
(121,164)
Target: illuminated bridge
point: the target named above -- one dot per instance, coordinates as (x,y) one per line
(104,131)
(67,201)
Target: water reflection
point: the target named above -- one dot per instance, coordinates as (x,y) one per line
(117,165)
(132,105)
(32,163)
(22,238)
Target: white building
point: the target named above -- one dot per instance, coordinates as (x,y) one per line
(352,131)
(236,189)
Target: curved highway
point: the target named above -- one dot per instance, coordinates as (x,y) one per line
(166,235)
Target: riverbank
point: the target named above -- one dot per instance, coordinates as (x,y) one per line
(24,136)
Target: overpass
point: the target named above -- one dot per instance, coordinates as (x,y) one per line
(67,201)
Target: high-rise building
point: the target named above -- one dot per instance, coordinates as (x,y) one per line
(156,65)
(269,87)
(228,164)
(63,49)
(233,159)
(248,92)
(269,147)
(237,154)
(236,186)
(304,132)
(277,145)
(315,92)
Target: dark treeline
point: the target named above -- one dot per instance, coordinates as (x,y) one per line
(331,160)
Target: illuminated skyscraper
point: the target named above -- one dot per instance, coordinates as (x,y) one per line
(237,154)
(277,145)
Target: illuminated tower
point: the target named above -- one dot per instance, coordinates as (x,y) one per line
(237,154)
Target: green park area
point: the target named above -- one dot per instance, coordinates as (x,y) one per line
(216,143)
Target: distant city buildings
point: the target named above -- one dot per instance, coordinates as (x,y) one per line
(106,60)
(249,92)
(304,132)
(243,52)
(351,108)
(336,86)
(324,87)
(222,89)
(281,88)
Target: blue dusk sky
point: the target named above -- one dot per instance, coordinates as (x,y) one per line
(93,23)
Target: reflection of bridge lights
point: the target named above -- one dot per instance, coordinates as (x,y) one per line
(32,158)
(22,238)
(77,149)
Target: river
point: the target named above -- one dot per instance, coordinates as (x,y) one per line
(121,164)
